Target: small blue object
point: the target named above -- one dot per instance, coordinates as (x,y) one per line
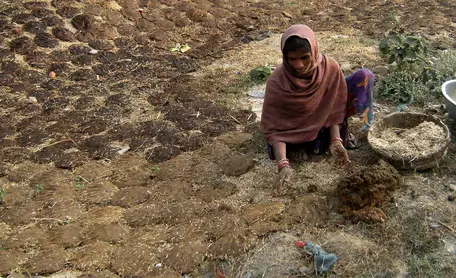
(322,260)
(402,107)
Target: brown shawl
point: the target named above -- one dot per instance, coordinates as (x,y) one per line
(295,109)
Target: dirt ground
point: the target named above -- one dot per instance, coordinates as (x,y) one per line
(135,161)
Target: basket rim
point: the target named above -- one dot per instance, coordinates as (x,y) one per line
(384,153)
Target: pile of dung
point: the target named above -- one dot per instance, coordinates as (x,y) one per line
(365,191)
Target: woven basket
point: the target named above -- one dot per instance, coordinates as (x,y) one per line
(407,120)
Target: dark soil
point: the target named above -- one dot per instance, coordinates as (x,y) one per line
(51,21)
(79,49)
(101,44)
(67,11)
(63,34)
(37,59)
(35,5)
(365,192)
(41,12)
(44,39)
(34,27)
(237,165)
(22,18)
(132,196)
(82,22)
(22,45)
(216,191)
(122,213)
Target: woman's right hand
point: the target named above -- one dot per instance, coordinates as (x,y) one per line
(339,152)
(285,176)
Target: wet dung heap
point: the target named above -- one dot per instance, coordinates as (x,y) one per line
(365,191)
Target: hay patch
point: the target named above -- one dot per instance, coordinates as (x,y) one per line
(421,140)
(355,250)
(276,256)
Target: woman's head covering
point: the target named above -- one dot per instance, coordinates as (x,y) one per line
(295,109)
(303,32)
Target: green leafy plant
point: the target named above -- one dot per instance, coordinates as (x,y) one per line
(399,47)
(395,21)
(67,220)
(180,48)
(38,188)
(2,196)
(403,49)
(441,67)
(418,70)
(261,73)
(80,182)
(419,82)
(402,86)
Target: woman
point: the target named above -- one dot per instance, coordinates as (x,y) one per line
(308,101)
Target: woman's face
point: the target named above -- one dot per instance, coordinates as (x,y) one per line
(300,60)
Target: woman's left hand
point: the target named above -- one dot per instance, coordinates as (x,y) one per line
(339,152)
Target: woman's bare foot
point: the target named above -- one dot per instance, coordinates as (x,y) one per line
(298,156)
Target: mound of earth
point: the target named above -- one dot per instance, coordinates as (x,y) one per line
(365,191)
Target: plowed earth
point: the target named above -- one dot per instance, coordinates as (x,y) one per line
(74,202)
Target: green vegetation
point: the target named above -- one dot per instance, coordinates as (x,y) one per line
(38,188)
(403,49)
(80,182)
(424,257)
(419,69)
(155,168)
(261,73)
(236,87)
(243,82)
(2,196)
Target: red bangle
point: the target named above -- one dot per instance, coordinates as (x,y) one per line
(336,139)
(283,163)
